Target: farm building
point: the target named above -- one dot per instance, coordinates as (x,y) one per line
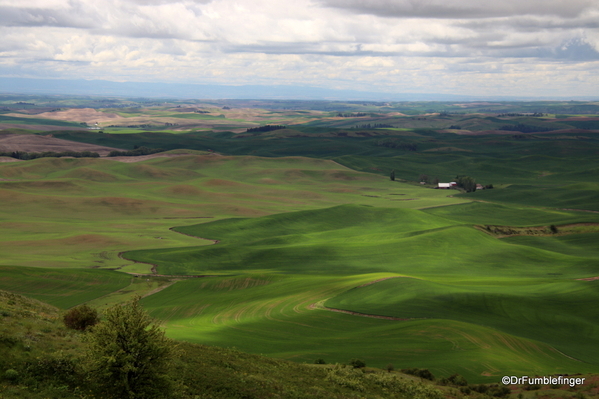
(447,185)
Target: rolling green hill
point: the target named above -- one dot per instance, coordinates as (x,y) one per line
(508,299)
(308,249)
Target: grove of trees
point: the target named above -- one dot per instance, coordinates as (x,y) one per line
(466,182)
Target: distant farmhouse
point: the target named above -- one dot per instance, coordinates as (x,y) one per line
(447,185)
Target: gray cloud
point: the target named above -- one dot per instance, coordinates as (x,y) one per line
(463,9)
(15,16)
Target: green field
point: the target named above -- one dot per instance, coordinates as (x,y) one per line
(63,288)
(501,296)
(83,212)
(294,243)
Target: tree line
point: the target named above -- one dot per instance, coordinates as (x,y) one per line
(135,152)
(266,128)
(49,154)
(373,126)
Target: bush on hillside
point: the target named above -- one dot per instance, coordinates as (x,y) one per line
(57,368)
(81,318)
(454,379)
(422,373)
(357,363)
(11,375)
(128,355)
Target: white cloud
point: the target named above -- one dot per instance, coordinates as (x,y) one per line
(462,46)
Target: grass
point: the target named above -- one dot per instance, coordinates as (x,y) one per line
(355,239)
(474,301)
(298,234)
(36,121)
(84,212)
(547,310)
(63,288)
(509,214)
(272,316)
(46,361)
(572,196)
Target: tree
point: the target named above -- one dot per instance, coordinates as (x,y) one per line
(80,318)
(392,176)
(128,355)
(466,182)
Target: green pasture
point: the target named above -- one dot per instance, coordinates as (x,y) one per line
(36,121)
(276,315)
(583,245)
(490,169)
(298,234)
(509,214)
(82,213)
(547,310)
(582,196)
(63,288)
(474,304)
(352,239)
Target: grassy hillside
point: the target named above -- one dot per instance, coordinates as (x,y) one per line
(84,212)
(62,288)
(510,302)
(307,258)
(40,358)
(275,317)
(356,239)
(549,311)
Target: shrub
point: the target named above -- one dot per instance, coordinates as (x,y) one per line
(403,388)
(80,318)
(319,361)
(129,356)
(57,368)
(422,373)
(454,379)
(346,377)
(499,391)
(357,363)
(11,375)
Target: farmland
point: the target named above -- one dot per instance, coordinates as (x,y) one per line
(305,246)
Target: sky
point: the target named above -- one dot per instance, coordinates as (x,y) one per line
(539,48)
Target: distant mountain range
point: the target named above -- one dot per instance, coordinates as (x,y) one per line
(200,91)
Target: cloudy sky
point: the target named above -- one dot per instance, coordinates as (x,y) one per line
(471,47)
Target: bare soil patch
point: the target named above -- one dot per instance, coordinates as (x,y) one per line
(589,278)
(541,231)
(35,143)
(9,159)
(88,115)
(43,128)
